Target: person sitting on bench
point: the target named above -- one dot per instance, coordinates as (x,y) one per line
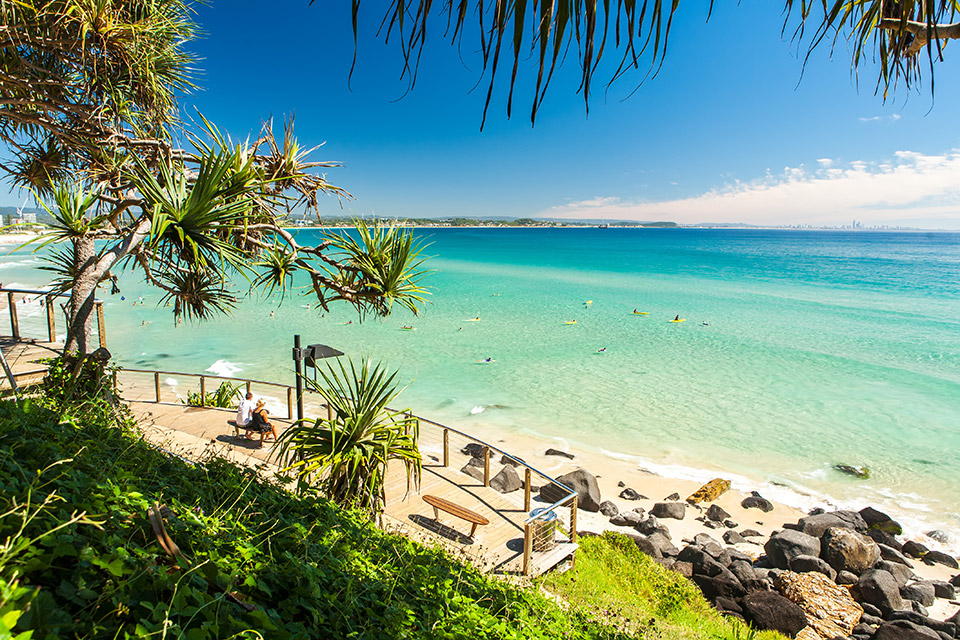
(244,416)
(260,423)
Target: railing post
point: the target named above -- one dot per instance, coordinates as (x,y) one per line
(486,466)
(446,447)
(101,326)
(289,403)
(573,519)
(203,391)
(51,321)
(248,386)
(526,490)
(527,547)
(114,378)
(14,323)
(156,384)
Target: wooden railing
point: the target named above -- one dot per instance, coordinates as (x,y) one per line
(47,299)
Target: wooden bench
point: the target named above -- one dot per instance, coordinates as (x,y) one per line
(439,504)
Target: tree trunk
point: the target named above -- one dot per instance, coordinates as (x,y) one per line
(82,296)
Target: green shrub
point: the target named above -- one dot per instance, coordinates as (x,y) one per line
(225,396)
(74,494)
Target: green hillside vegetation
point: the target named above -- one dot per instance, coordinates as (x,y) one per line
(80,559)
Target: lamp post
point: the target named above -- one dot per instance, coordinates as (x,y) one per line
(311,354)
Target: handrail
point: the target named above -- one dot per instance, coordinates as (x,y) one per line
(47,301)
(41,292)
(206,375)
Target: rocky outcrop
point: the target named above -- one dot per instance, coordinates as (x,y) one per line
(675,510)
(904,630)
(880,521)
(830,610)
(609,509)
(710,491)
(474,450)
(816,525)
(768,610)
(558,453)
(582,482)
(847,550)
(783,546)
(939,557)
(507,481)
(631,494)
(880,589)
(757,502)
(914,549)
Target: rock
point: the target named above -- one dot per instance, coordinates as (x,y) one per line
(901,573)
(802,564)
(650,526)
(507,460)
(673,497)
(663,544)
(716,513)
(880,589)
(683,568)
(751,533)
(880,521)
(903,630)
(818,524)
(474,450)
(675,510)
(711,544)
(645,546)
(943,589)
(938,535)
(723,584)
(747,576)
(557,452)
(857,471)
(627,519)
(864,630)
(727,605)
(710,491)
(892,555)
(847,550)
(473,471)
(608,509)
(845,577)
(581,481)
(771,611)
(948,627)
(916,607)
(873,621)
(940,557)
(732,537)
(830,610)
(507,481)
(882,537)
(730,524)
(914,549)
(756,502)
(710,524)
(923,593)
(785,545)
(621,484)
(630,494)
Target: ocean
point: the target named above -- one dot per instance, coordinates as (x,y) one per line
(800,350)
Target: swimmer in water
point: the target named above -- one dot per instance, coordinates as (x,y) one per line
(706,324)
(601,350)
(271,314)
(486,360)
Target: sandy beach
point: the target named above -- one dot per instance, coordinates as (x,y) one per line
(16,238)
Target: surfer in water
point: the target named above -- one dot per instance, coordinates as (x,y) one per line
(676,318)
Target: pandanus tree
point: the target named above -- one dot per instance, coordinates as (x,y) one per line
(902,36)
(346,455)
(89,117)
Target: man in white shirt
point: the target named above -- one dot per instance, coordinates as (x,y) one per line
(244,414)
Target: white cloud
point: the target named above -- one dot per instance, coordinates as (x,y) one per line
(910,189)
(891,118)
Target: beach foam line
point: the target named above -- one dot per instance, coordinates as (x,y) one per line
(225,368)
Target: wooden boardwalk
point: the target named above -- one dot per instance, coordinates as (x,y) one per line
(195,432)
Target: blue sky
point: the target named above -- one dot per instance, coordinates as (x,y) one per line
(728,130)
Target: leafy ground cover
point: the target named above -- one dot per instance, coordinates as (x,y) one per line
(79,559)
(614,582)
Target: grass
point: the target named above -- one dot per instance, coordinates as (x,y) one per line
(616,583)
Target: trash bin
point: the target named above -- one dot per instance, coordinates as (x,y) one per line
(543,530)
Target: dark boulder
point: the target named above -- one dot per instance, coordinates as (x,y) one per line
(727,605)
(716,513)
(816,525)
(901,573)
(675,510)
(748,576)
(683,568)
(627,519)
(723,584)
(631,494)
(673,497)
(645,546)
(914,549)
(769,610)
(892,555)
(882,537)
(507,481)
(731,524)
(557,452)
(751,533)
(948,626)
(663,544)
(802,564)
(473,471)
(881,521)
(939,557)
(732,537)
(847,550)
(756,502)
(609,509)
(904,630)
(845,577)
(513,462)
(786,544)
(582,482)
(921,592)
(940,536)
(880,589)
(474,450)
(943,589)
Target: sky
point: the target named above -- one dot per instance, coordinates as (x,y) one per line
(732,129)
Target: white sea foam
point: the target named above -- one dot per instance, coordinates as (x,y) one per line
(171,382)
(477,409)
(225,368)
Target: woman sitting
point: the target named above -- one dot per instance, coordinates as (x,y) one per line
(260,423)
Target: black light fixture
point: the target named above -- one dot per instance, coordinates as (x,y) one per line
(308,356)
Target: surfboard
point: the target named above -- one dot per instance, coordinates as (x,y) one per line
(680,320)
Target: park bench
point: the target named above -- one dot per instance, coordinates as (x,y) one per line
(439,504)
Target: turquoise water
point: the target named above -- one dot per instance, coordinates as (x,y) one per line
(819,348)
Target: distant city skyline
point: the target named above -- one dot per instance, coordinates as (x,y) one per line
(728,131)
